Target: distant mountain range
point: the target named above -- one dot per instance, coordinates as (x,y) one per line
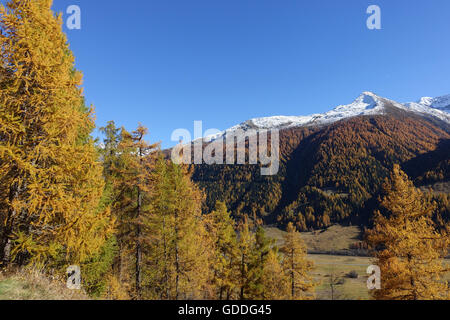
(440,103)
(333,164)
(366,104)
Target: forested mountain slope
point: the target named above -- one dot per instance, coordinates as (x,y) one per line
(328,172)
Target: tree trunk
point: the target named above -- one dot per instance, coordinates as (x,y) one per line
(5,237)
(412,281)
(292,275)
(5,249)
(138,263)
(242,277)
(138,237)
(166,272)
(177,261)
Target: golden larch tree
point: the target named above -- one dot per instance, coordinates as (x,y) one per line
(274,281)
(131,176)
(220,227)
(407,245)
(50,176)
(180,253)
(249,262)
(297,267)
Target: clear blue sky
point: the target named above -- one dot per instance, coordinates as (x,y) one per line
(167,63)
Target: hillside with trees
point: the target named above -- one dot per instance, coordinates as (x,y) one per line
(141,227)
(330,174)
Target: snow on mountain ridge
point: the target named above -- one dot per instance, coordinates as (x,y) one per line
(368,103)
(440,103)
(438,107)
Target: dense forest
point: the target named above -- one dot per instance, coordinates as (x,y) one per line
(143,227)
(330,174)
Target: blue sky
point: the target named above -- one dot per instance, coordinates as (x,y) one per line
(167,63)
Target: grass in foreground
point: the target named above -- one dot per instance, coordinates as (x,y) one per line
(345,287)
(25,285)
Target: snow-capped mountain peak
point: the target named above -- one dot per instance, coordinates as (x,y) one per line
(438,107)
(368,103)
(369,98)
(426,101)
(363,104)
(440,103)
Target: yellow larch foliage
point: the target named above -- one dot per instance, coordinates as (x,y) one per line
(179,251)
(297,267)
(274,280)
(220,227)
(50,177)
(132,186)
(407,245)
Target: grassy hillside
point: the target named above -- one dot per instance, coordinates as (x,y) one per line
(25,285)
(335,239)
